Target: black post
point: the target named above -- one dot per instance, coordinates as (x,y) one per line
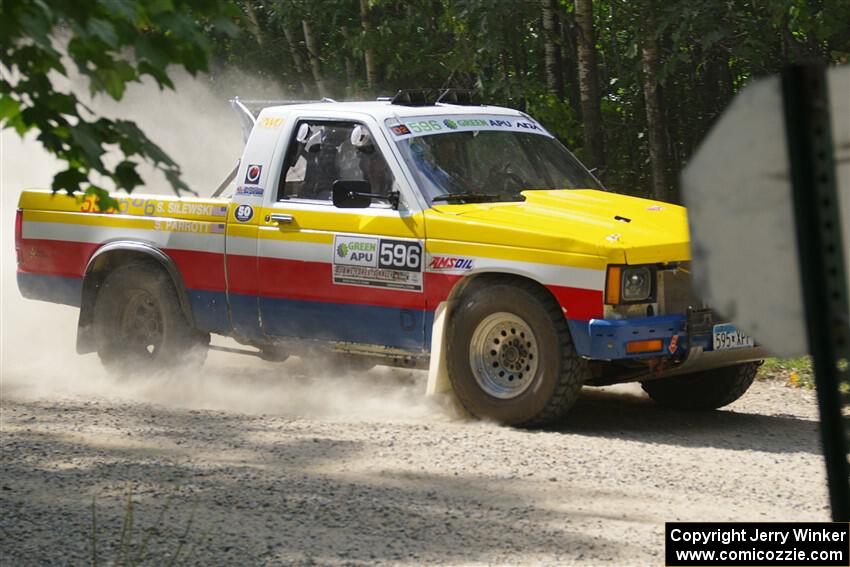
(816,208)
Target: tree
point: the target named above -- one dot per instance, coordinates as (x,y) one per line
(655,123)
(110,44)
(582,68)
(369,50)
(554,74)
(589,84)
(314,57)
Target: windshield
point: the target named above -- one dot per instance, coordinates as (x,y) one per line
(485,158)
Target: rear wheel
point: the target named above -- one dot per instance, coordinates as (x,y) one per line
(139,325)
(510,357)
(709,389)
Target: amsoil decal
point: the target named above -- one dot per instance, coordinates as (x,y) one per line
(252,174)
(377,262)
(439,263)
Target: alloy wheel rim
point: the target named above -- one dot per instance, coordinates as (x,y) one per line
(503,355)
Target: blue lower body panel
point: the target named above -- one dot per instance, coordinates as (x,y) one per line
(603,339)
(366,324)
(55,289)
(210,310)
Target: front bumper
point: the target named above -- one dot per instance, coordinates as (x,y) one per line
(685,338)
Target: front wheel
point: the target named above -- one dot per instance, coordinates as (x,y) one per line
(510,357)
(709,389)
(139,325)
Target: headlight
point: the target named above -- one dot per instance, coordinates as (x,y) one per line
(629,284)
(637,284)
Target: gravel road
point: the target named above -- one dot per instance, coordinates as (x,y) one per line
(258,464)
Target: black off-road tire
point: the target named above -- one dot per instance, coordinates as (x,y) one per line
(706,390)
(555,382)
(139,325)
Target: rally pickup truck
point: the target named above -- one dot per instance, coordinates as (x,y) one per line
(460,238)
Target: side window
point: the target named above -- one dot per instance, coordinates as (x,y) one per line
(321,153)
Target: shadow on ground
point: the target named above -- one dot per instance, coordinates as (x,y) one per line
(619,415)
(246,501)
(282,488)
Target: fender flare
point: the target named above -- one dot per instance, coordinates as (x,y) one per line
(85,330)
(438,373)
(438,376)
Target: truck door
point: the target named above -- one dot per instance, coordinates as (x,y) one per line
(340,275)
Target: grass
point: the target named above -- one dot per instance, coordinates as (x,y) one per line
(132,554)
(795,372)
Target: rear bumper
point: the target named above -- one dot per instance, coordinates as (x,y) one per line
(690,345)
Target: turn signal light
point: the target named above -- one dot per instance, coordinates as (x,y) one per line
(612,286)
(636,347)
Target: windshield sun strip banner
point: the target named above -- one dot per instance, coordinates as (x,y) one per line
(430,125)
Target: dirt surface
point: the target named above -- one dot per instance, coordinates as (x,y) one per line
(256,464)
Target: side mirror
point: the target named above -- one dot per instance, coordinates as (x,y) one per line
(356,194)
(351,194)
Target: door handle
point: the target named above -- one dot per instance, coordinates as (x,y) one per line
(281,218)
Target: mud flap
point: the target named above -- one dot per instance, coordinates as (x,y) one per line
(438,374)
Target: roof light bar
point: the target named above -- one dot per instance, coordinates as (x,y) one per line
(460,97)
(410,97)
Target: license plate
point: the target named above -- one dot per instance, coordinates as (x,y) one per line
(727,337)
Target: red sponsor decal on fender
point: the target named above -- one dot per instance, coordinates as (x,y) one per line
(450,263)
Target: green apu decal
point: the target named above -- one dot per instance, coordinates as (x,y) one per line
(448,124)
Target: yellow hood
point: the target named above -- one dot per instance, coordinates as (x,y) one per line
(616,227)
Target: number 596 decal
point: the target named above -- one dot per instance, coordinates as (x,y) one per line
(400,255)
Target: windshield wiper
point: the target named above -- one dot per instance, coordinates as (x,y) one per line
(477,197)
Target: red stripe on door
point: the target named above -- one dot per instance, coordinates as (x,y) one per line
(313,281)
(200,270)
(290,279)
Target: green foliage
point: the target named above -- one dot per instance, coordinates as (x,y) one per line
(110,43)
(709,50)
(558,115)
(796,372)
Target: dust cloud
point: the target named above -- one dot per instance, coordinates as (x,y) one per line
(196,127)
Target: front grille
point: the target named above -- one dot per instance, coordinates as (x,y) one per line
(700,322)
(675,294)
